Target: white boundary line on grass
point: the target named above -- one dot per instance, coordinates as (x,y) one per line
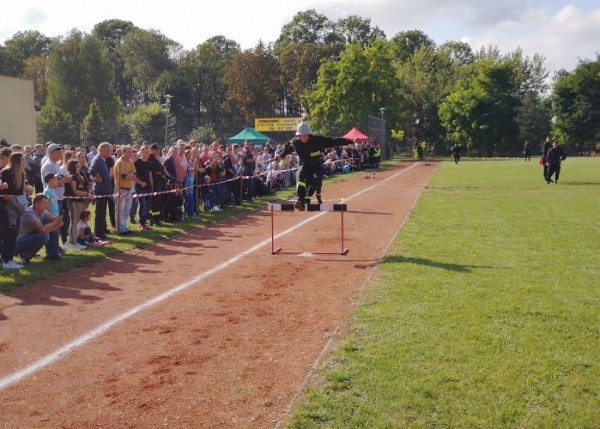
(57,355)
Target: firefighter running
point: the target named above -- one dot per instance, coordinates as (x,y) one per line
(309,148)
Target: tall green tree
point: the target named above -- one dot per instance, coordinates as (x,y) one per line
(148,122)
(426,76)
(533,118)
(307,41)
(406,43)
(482,111)
(20,47)
(203,71)
(92,128)
(531,74)
(36,69)
(309,27)
(111,32)
(54,124)
(300,63)
(206,133)
(355,29)
(576,105)
(80,71)
(147,55)
(458,53)
(254,85)
(360,83)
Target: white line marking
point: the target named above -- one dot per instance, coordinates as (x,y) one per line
(85,338)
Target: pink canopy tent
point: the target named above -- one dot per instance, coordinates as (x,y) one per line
(354,133)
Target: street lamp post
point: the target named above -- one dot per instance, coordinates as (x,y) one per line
(417,133)
(168,106)
(383,145)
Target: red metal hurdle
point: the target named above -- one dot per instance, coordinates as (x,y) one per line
(289,207)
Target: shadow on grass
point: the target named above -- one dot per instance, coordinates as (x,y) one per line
(579,183)
(397,259)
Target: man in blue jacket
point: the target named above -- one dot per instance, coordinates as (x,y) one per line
(102,187)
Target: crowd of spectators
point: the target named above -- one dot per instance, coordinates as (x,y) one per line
(46,190)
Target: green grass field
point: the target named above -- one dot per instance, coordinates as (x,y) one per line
(485,312)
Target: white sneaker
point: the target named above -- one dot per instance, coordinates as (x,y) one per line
(12,265)
(80,246)
(69,246)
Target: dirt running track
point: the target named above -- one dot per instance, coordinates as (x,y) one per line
(231,347)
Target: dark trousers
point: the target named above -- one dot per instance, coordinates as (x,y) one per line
(100,217)
(144,203)
(63,209)
(110,202)
(234,189)
(8,244)
(553,169)
(310,181)
(247,191)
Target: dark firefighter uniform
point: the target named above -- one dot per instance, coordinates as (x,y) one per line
(310,172)
(456,151)
(554,157)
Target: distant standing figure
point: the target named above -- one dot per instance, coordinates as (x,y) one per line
(527,151)
(420,152)
(554,158)
(456,151)
(547,146)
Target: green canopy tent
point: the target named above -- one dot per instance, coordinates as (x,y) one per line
(249,133)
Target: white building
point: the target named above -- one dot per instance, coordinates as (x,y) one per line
(17,111)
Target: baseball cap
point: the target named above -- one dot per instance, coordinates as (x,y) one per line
(52,147)
(48,177)
(154,146)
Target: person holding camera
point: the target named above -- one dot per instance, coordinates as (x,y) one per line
(51,165)
(38,228)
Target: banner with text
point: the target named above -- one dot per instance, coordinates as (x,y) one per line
(276,124)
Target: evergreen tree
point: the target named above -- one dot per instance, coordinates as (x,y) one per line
(92,128)
(54,124)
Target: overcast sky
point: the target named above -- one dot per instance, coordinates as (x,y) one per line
(562,31)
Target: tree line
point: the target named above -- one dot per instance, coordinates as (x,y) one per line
(111,85)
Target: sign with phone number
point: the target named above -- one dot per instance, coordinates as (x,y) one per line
(276,124)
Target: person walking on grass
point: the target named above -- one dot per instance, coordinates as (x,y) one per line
(456,151)
(527,151)
(554,158)
(309,148)
(544,160)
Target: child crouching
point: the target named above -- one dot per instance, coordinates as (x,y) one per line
(84,232)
